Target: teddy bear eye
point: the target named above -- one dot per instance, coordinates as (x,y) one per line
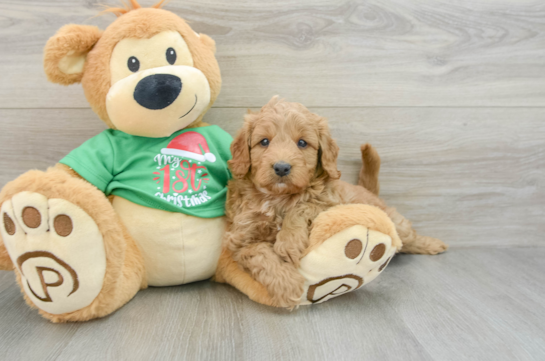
(301,143)
(171,56)
(134,64)
(264,142)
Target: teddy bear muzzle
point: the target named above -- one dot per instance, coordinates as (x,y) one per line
(159,101)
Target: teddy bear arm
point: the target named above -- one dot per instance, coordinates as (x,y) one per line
(68,170)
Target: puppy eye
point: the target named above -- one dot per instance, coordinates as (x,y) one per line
(171,56)
(264,142)
(133,64)
(301,143)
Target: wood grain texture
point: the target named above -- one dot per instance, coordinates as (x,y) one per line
(470,176)
(321,52)
(474,304)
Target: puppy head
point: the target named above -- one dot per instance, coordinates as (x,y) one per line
(283,148)
(148,74)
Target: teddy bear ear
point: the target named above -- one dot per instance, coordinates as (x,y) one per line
(66,51)
(208,41)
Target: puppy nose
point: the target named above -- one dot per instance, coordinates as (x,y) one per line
(282,168)
(157,91)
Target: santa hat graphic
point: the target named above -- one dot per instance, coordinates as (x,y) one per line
(190,145)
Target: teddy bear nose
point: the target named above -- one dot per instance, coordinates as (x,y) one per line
(157,91)
(282,168)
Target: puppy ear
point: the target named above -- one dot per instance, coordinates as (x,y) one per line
(329,151)
(208,41)
(240,150)
(66,51)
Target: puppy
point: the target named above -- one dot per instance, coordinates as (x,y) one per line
(285,173)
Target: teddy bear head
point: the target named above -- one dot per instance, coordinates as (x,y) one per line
(148,74)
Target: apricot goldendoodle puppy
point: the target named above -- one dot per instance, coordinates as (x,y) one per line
(285,169)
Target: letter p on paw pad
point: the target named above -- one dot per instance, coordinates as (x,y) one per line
(57,249)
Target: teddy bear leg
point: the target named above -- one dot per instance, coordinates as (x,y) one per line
(350,245)
(73,258)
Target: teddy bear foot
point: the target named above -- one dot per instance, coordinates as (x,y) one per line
(72,259)
(337,263)
(56,248)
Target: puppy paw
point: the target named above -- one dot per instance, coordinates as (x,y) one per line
(288,294)
(57,250)
(285,287)
(287,252)
(425,245)
(344,262)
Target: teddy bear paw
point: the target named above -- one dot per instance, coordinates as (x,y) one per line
(344,262)
(57,250)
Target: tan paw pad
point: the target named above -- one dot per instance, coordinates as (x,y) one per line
(58,251)
(344,262)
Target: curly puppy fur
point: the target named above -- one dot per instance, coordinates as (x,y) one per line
(270,216)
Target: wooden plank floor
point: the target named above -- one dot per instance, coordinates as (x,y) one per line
(452,93)
(471,304)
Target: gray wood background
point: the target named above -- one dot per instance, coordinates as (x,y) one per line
(452,93)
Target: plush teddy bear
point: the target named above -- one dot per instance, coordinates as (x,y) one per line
(142,203)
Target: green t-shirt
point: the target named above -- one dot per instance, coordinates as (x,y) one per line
(186,172)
